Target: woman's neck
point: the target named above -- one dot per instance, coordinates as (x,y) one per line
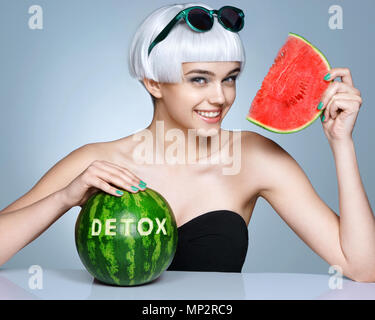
(176,143)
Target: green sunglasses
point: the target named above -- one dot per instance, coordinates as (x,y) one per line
(201,19)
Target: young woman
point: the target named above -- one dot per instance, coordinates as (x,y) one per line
(188,60)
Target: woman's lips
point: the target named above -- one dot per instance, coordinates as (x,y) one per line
(210,120)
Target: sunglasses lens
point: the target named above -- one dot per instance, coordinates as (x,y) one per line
(200,19)
(231,19)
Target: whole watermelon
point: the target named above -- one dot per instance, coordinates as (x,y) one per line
(127,240)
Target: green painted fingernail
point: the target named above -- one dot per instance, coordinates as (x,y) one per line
(323,118)
(327,76)
(142,185)
(119,192)
(142,182)
(320,105)
(134,188)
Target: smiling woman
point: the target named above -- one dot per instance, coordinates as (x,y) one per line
(191,77)
(188,57)
(196,102)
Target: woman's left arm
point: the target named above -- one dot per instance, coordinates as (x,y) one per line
(341,105)
(348,240)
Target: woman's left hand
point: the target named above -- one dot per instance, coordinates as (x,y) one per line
(341,104)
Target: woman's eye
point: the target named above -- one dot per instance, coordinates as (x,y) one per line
(198,80)
(201,80)
(233,78)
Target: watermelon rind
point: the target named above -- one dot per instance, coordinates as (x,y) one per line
(314,47)
(271,129)
(285,132)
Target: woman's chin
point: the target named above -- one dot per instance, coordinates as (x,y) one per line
(210,131)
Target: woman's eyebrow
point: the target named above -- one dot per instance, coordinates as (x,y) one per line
(200,71)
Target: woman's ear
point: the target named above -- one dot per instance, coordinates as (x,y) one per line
(153,87)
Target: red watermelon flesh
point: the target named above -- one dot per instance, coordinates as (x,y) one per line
(290,93)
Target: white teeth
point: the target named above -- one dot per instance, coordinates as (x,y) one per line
(209,114)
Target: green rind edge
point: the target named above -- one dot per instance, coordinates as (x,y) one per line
(284,132)
(314,47)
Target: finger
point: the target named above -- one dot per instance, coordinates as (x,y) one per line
(343,73)
(96,183)
(118,178)
(337,87)
(331,108)
(336,106)
(123,172)
(346,96)
(102,184)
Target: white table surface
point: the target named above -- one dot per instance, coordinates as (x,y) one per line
(177,285)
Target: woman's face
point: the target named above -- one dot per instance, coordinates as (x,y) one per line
(205,87)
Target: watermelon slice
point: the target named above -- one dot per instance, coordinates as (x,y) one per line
(290,93)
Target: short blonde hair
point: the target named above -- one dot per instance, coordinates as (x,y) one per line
(181,45)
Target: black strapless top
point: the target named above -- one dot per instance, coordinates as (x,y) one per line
(213,241)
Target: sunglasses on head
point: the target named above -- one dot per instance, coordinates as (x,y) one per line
(201,19)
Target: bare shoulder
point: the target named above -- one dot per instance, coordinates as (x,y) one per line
(280,169)
(115,151)
(256,146)
(260,146)
(264,158)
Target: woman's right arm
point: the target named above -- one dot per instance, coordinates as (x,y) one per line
(18,228)
(69,183)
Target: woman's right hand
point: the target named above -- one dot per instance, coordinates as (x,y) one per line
(100,175)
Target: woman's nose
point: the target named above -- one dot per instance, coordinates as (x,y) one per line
(217,94)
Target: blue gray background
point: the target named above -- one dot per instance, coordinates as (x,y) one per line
(68,85)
